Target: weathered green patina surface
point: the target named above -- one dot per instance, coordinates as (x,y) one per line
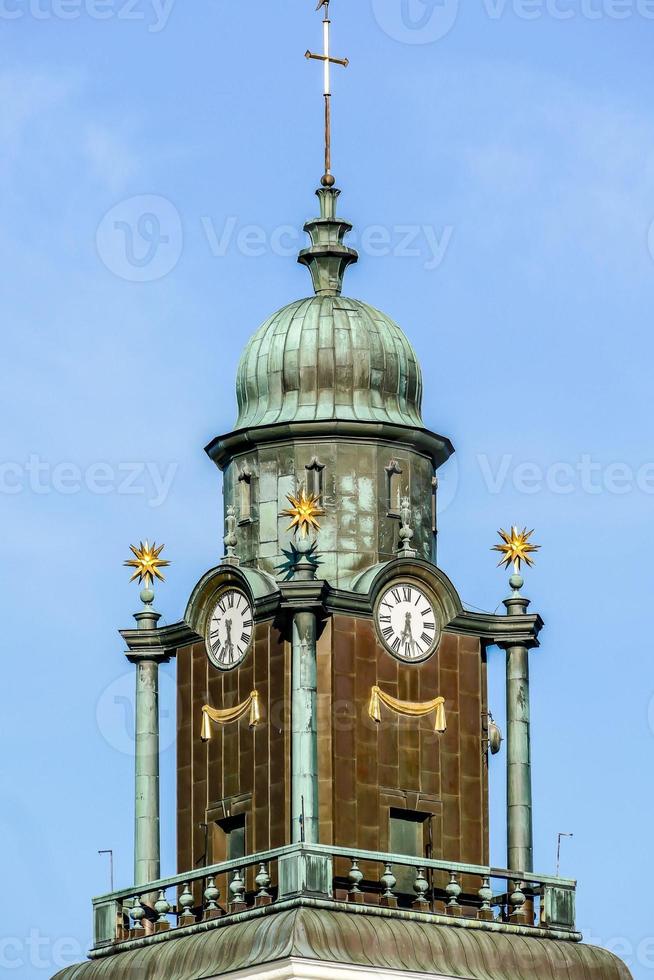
(329,357)
(371,941)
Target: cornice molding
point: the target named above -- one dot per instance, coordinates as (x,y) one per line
(224,448)
(489,628)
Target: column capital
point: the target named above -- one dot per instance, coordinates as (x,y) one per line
(303,595)
(516,605)
(153,656)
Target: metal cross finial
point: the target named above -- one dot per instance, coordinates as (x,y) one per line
(328,179)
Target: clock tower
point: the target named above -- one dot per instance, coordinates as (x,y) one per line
(334,737)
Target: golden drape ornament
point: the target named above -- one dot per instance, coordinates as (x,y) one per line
(225,716)
(410,709)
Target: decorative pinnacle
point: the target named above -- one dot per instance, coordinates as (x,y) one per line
(406,531)
(304,511)
(147,563)
(231,537)
(516,548)
(327,258)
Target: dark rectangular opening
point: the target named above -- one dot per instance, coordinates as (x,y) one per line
(408,835)
(228,839)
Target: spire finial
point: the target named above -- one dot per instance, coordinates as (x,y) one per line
(328,179)
(147,565)
(328,257)
(515,549)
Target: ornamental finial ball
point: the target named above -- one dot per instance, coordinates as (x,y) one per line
(147,596)
(328,180)
(516,582)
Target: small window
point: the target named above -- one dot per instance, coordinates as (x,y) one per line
(394,487)
(434,503)
(408,830)
(315,474)
(245,496)
(228,839)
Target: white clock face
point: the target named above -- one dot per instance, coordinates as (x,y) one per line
(407,623)
(229,633)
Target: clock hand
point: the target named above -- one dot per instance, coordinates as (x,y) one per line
(407,635)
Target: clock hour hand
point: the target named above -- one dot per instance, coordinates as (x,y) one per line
(407,635)
(229,646)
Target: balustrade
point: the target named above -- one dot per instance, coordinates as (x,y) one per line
(366,878)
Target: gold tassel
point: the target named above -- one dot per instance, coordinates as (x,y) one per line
(255,710)
(441,720)
(206,726)
(374,708)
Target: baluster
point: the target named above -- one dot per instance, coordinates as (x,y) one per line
(211,895)
(421,887)
(137,915)
(355,877)
(453,891)
(162,908)
(262,881)
(485,912)
(186,903)
(517,902)
(237,891)
(388,881)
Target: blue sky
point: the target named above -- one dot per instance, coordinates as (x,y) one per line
(497,161)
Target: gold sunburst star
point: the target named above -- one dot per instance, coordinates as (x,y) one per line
(516,548)
(147,562)
(304,510)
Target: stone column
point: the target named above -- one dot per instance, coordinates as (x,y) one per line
(147,847)
(304,736)
(519,800)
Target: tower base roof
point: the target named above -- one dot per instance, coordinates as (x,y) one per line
(365,939)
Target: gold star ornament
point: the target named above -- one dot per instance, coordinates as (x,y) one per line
(516,548)
(147,563)
(304,511)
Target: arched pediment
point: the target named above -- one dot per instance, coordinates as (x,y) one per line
(374,579)
(260,587)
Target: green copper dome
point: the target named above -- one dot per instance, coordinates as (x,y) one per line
(329,357)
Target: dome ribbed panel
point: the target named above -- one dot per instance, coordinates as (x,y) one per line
(329,357)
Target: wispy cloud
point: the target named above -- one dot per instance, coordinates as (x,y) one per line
(577,163)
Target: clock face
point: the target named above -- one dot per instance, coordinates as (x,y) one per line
(407,623)
(229,633)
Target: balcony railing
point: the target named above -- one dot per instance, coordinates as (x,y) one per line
(343,878)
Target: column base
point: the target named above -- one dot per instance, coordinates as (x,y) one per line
(212,914)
